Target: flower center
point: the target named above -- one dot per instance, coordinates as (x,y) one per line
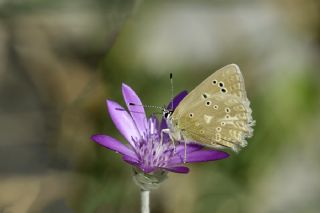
(151,152)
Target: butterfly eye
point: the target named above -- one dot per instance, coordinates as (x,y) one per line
(221,84)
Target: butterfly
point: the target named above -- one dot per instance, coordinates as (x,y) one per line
(215,114)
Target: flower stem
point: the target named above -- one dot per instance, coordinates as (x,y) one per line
(145,201)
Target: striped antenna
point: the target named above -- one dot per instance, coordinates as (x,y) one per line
(148,106)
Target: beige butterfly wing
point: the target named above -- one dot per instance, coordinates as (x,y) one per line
(217,112)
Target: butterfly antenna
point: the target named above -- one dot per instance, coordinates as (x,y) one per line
(148,106)
(171,82)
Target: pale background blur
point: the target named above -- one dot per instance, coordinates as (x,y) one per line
(60,60)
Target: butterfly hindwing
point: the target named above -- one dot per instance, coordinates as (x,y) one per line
(217,121)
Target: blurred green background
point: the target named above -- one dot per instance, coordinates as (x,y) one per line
(60,60)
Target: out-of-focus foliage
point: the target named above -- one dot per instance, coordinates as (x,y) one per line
(60,60)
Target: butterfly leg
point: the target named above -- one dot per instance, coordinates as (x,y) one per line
(185,150)
(167,131)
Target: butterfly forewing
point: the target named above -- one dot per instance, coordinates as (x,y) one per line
(217,112)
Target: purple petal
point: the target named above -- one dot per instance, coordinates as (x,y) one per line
(163,124)
(136,163)
(153,125)
(199,156)
(177,169)
(130,160)
(190,148)
(114,145)
(176,100)
(137,111)
(148,169)
(123,121)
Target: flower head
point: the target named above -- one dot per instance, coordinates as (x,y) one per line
(145,150)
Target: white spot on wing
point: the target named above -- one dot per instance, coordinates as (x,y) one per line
(207,118)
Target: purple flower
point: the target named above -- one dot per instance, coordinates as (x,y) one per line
(145,150)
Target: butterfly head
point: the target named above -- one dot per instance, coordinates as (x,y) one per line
(166,113)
